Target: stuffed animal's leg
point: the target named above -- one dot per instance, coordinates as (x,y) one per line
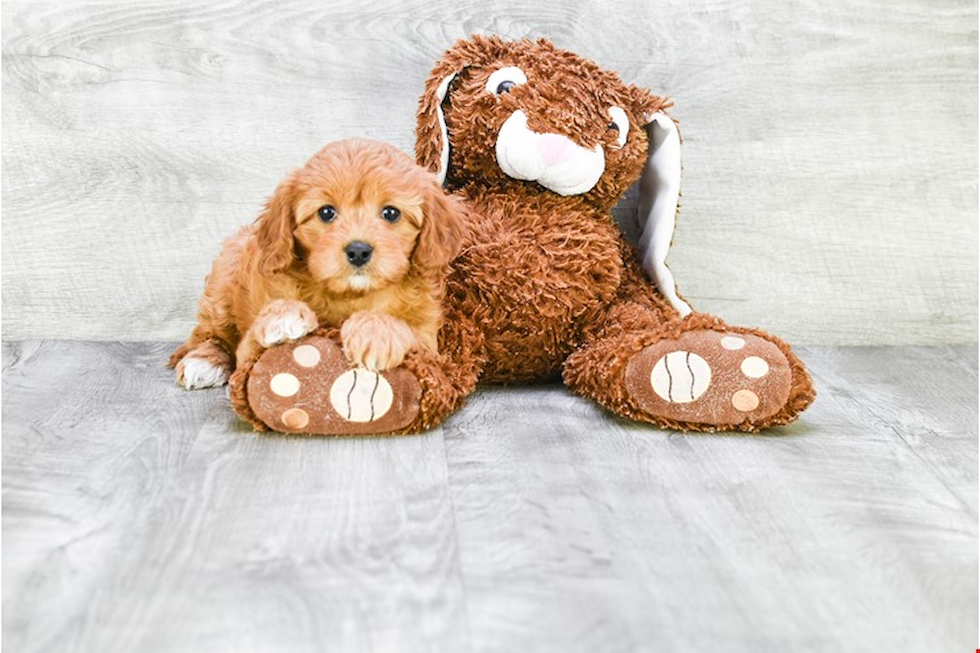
(695,373)
(308,386)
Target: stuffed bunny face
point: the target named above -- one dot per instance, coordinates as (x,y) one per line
(499,114)
(525,118)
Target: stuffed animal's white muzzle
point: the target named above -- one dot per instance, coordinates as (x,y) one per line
(552,160)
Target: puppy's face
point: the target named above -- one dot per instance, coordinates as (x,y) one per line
(357,232)
(360,215)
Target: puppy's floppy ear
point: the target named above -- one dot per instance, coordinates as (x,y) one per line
(274,229)
(441,235)
(659,191)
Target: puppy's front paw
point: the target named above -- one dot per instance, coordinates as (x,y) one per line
(205,366)
(282,320)
(376,341)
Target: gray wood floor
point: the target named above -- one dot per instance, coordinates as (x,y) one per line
(138,517)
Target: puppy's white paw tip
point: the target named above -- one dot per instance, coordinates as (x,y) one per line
(287,327)
(196,373)
(296,331)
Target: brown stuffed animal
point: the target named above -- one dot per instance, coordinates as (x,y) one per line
(541,144)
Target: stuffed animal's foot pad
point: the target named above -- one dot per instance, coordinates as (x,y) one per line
(361,395)
(710,378)
(307,386)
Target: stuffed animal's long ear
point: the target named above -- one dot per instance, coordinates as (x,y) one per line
(431,135)
(274,229)
(441,234)
(660,186)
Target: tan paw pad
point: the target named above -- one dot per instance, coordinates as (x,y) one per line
(306,355)
(296,418)
(732,342)
(745,401)
(754,367)
(284,384)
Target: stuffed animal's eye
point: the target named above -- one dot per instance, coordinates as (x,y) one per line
(391,214)
(327,213)
(620,125)
(503,80)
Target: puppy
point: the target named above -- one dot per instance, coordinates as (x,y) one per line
(359,237)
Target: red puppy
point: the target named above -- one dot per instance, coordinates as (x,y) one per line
(360,236)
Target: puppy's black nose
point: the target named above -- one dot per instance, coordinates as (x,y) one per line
(358,253)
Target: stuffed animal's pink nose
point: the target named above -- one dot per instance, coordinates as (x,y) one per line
(554,148)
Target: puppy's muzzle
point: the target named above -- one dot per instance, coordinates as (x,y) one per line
(358,253)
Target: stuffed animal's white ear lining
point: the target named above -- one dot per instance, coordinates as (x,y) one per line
(444,154)
(660,187)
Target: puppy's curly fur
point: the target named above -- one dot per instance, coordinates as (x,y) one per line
(360,237)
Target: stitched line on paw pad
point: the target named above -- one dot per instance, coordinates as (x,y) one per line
(350,405)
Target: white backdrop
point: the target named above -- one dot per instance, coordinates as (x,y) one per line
(830,166)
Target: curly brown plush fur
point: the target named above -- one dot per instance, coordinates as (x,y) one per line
(545,285)
(548,279)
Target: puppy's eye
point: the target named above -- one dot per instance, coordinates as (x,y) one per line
(327,213)
(503,80)
(391,214)
(619,125)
